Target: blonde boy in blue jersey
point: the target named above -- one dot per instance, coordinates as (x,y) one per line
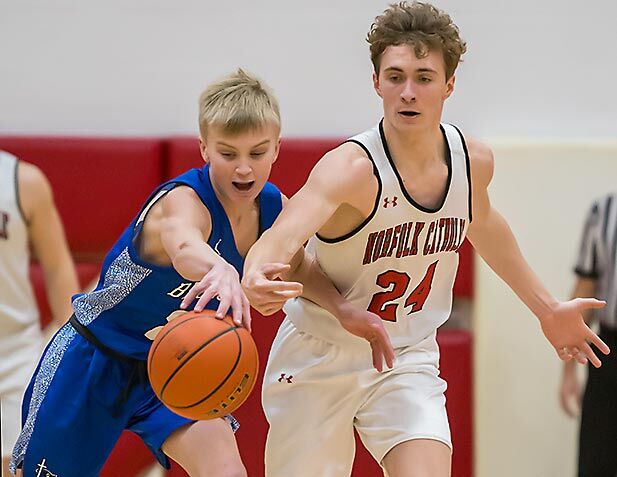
(193,230)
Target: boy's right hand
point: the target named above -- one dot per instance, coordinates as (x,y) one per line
(368,326)
(221,281)
(267,294)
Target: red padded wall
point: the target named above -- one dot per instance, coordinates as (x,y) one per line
(129,457)
(99,184)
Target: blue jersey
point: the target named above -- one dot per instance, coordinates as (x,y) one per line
(134,296)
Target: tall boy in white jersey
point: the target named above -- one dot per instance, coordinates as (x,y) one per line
(386,213)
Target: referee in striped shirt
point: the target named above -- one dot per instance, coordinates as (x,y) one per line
(596,272)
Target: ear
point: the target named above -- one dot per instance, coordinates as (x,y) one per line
(203,149)
(277,150)
(376,84)
(449,87)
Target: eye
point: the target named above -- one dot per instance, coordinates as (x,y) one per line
(227,154)
(425,79)
(395,78)
(257,154)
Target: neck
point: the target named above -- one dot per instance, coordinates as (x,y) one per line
(421,148)
(237,211)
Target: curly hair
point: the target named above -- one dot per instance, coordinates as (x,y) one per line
(421,26)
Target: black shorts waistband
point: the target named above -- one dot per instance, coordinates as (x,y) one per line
(90,337)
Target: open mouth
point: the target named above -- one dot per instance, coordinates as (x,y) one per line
(409,114)
(243,186)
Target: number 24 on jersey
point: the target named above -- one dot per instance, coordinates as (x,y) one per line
(399,281)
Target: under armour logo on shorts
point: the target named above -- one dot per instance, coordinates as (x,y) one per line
(285,378)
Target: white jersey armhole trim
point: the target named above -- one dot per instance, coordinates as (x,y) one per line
(365,222)
(468,169)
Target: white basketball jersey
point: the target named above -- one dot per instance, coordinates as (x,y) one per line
(401,262)
(18,309)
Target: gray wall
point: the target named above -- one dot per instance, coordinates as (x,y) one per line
(534,68)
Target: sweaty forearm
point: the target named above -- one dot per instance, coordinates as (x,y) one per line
(495,242)
(317,286)
(195,259)
(272,247)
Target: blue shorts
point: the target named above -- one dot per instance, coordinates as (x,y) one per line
(71,414)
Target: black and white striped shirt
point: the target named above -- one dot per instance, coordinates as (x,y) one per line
(597,256)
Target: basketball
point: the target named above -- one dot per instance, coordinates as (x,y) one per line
(202,367)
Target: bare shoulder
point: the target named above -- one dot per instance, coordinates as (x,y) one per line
(179,210)
(183,201)
(30,177)
(345,166)
(33,187)
(481,161)
(181,193)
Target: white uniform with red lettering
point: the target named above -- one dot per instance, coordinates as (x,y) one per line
(20,332)
(401,264)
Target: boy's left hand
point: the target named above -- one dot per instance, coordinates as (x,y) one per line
(567,331)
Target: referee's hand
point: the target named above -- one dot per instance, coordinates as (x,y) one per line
(570,392)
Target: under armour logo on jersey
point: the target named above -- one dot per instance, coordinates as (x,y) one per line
(285,378)
(43,471)
(387,201)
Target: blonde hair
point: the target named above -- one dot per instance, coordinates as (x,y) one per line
(421,26)
(238,103)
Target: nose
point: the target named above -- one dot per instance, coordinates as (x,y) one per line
(243,168)
(408,93)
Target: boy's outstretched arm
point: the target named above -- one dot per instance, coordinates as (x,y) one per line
(186,224)
(337,179)
(562,322)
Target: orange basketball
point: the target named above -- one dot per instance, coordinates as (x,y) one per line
(202,367)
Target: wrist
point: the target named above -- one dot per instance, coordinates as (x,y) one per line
(547,309)
(341,308)
(220,262)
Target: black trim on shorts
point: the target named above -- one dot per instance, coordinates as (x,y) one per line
(400,179)
(377,201)
(468,168)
